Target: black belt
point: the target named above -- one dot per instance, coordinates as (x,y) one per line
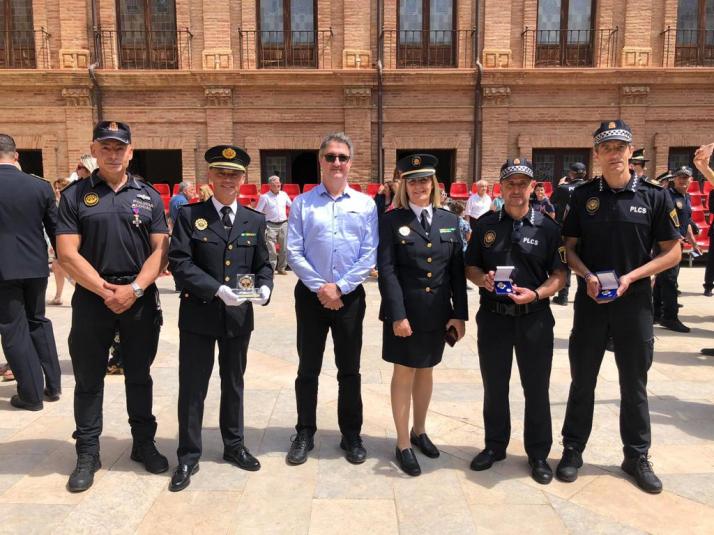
(277,222)
(513,309)
(119,279)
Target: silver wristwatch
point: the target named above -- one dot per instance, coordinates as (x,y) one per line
(138,292)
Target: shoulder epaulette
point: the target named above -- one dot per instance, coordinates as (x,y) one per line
(651,182)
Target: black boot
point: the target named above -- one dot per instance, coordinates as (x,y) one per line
(567,469)
(83,475)
(641,469)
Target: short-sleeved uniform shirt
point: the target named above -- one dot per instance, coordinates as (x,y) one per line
(115,227)
(683,205)
(617,229)
(531,245)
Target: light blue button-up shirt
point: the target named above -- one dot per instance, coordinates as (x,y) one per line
(332,240)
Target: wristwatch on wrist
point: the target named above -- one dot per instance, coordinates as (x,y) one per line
(138,292)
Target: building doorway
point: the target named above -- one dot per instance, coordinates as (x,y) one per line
(31,162)
(550,165)
(445,167)
(292,166)
(157,166)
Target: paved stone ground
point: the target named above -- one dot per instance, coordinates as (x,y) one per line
(328,495)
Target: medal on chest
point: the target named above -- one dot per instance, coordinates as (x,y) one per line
(136,221)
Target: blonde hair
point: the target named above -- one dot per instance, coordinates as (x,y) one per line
(61,183)
(205,192)
(401,199)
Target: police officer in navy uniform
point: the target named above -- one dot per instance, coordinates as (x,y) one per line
(666,307)
(112,239)
(423,288)
(215,245)
(612,224)
(519,319)
(638,163)
(26,206)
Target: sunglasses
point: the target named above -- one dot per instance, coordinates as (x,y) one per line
(330,158)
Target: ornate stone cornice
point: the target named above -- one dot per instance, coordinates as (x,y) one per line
(496,95)
(76,96)
(634,94)
(358,96)
(218,96)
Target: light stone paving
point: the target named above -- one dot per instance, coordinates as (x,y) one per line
(328,495)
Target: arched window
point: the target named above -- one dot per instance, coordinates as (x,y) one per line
(147,34)
(695,33)
(17,46)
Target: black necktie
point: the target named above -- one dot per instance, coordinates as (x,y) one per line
(226,211)
(425,221)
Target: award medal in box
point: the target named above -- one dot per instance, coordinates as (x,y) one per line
(608,285)
(502,280)
(246,287)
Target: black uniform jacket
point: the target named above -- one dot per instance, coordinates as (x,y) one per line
(26,204)
(421,277)
(203,256)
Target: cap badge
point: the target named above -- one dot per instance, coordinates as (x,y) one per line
(592,205)
(416,161)
(228,153)
(516,162)
(404,231)
(200,224)
(612,125)
(91,199)
(113,127)
(489,238)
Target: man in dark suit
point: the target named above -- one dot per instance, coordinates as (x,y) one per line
(217,246)
(26,205)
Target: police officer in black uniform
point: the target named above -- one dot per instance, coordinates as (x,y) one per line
(112,239)
(26,205)
(638,163)
(521,319)
(561,197)
(612,224)
(666,307)
(217,245)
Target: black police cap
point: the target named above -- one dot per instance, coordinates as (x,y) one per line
(517,166)
(417,166)
(112,130)
(664,177)
(227,157)
(578,167)
(616,130)
(638,156)
(685,170)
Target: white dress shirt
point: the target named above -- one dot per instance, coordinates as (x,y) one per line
(274,206)
(233,206)
(419,209)
(477,205)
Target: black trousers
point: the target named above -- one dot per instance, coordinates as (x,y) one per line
(531,335)
(313,323)
(664,294)
(709,271)
(91,336)
(27,337)
(628,319)
(196,356)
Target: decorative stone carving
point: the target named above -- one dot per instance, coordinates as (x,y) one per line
(218,59)
(218,96)
(636,56)
(497,58)
(74,58)
(76,96)
(358,96)
(634,94)
(496,95)
(356,59)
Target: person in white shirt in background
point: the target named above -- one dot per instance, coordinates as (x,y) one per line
(274,204)
(479,203)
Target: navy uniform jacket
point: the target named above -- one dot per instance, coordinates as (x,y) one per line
(202,257)
(421,277)
(26,204)
(683,205)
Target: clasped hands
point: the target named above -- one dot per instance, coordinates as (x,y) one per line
(330,296)
(231,299)
(118,297)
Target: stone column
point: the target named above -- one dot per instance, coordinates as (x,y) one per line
(219,121)
(78,124)
(497,34)
(358,125)
(633,110)
(637,50)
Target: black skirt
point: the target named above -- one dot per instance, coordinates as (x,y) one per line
(422,349)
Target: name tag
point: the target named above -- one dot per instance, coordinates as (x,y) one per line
(447,230)
(248,234)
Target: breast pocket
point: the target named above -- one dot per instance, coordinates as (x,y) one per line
(245,247)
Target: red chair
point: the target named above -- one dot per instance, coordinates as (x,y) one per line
(308,187)
(245,200)
(694,187)
(356,187)
(373,189)
(293,190)
(162,188)
(459,191)
(698,217)
(698,200)
(166,199)
(496,189)
(248,189)
(442,186)
(707,187)
(176,189)
(548,188)
(264,188)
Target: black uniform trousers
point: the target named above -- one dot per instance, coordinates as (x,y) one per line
(628,319)
(91,336)
(531,335)
(27,338)
(709,271)
(664,293)
(313,323)
(196,356)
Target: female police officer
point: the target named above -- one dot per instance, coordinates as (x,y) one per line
(423,287)
(528,241)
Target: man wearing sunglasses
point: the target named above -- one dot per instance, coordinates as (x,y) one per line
(515,314)
(332,246)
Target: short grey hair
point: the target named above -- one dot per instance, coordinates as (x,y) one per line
(183,186)
(8,149)
(274,178)
(339,137)
(481,183)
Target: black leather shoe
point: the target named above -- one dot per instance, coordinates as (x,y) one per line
(301,444)
(182,476)
(708,351)
(356,454)
(243,458)
(641,469)
(147,454)
(83,475)
(425,445)
(540,471)
(567,469)
(485,460)
(708,292)
(19,403)
(408,462)
(674,325)
(52,395)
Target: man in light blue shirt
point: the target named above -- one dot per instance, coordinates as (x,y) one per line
(332,246)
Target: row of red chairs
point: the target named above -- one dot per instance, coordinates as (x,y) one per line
(705,188)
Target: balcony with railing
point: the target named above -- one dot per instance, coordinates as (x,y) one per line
(139,49)
(688,48)
(24,49)
(569,48)
(267,49)
(421,49)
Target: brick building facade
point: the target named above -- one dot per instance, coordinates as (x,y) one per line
(274,76)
